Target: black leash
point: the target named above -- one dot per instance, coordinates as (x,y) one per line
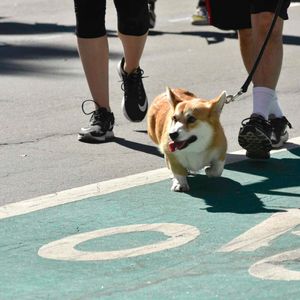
(244,88)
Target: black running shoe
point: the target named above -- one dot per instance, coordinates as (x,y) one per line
(152,15)
(134,103)
(280,134)
(100,128)
(255,137)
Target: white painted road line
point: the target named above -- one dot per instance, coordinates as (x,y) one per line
(102,188)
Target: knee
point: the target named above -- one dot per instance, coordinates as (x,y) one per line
(135,24)
(262,25)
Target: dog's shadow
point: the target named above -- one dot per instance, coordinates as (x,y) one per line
(272,179)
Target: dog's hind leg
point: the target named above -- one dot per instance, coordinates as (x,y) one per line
(215,169)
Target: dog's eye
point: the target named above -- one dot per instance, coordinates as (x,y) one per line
(174,118)
(191,119)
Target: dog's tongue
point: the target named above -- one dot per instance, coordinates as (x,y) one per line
(173,146)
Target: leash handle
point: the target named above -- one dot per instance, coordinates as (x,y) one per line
(246,84)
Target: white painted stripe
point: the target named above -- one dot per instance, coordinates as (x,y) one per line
(180,19)
(80,193)
(264,233)
(102,188)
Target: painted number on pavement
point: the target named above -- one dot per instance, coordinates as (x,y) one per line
(261,235)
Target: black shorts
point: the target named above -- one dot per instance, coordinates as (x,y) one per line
(133,17)
(236,14)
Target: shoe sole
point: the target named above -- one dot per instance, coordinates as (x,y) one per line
(199,22)
(125,112)
(88,138)
(257,144)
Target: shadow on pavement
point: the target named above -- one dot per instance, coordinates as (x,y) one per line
(17,28)
(24,59)
(138,146)
(210,36)
(277,178)
(214,37)
(131,145)
(14,58)
(224,195)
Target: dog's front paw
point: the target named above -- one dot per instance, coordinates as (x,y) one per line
(180,186)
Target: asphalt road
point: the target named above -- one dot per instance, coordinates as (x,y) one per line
(42,86)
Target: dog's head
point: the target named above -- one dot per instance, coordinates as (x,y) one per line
(194,121)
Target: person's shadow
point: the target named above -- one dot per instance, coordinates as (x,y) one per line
(217,36)
(276,177)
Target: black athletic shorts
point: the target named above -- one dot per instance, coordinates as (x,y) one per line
(236,14)
(133,17)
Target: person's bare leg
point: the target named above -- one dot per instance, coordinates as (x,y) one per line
(268,70)
(251,41)
(265,79)
(94,57)
(246,47)
(257,135)
(133,49)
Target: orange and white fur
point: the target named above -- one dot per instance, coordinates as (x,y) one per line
(188,132)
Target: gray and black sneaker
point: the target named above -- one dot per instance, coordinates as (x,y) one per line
(255,137)
(200,17)
(134,103)
(100,128)
(280,134)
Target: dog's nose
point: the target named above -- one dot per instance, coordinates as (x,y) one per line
(173,135)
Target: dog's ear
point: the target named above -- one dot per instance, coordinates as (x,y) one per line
(172,97)
(219,102)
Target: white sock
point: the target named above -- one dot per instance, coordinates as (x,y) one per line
(263,99)
(275,109)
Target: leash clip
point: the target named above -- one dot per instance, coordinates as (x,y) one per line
(231,98)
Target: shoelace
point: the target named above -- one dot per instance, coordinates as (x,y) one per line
(98,116)
(261,121)
(134,79)
(83,104)
(258,122)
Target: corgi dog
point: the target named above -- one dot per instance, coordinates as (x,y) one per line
(188,132)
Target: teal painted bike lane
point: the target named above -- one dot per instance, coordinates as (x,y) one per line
(234,237)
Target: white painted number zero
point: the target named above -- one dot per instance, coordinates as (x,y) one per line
(64,249)
(261,235)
